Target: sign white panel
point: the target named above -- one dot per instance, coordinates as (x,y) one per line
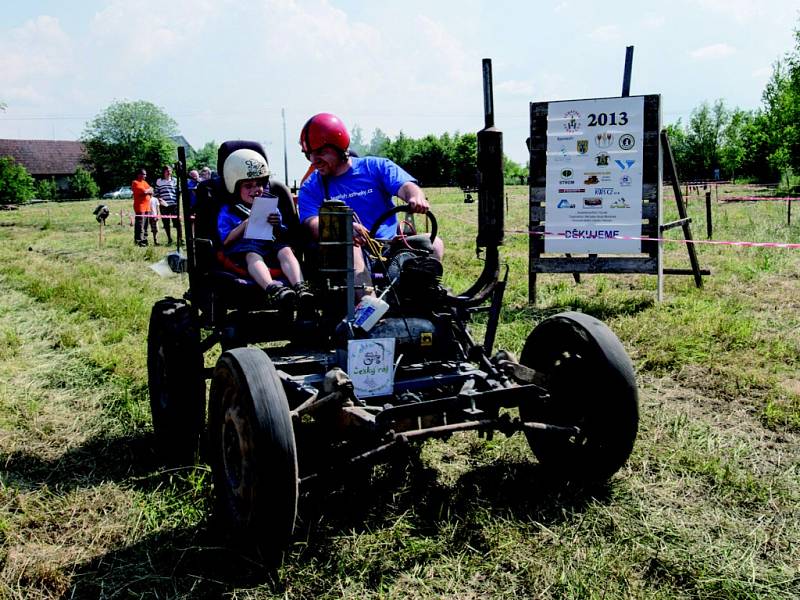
(593,191)
(370,365)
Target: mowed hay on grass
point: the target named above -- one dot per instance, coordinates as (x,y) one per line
(706,507)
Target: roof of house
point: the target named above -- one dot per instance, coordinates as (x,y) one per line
(182,141)
(45,157)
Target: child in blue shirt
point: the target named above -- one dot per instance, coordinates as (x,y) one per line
(246,176)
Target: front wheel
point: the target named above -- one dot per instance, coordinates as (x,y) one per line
(592,386)
(253,452)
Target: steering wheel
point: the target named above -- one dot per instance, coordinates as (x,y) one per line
(402,208)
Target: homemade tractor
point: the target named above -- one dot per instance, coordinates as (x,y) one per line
(291,400)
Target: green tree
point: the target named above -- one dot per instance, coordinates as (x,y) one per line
(676,134)
(734,143)
(357,140)
(513,172)
(16,184)
(127,136)
(781,111)
(46,189)
(465,160)
(82,185)
(204,157)
(703,139)
(378,143)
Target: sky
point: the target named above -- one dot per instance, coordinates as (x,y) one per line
(226,69)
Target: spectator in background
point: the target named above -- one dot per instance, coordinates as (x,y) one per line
(205,173)
(194,179)
(142,193)
(154,218)
(168,201)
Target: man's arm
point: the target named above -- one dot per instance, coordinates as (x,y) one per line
(412,194)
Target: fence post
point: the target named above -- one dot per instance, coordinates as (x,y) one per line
(709,225)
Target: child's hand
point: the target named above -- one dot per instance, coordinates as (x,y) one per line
(274,219)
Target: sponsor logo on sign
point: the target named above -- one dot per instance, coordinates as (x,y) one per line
(620,203)
(605,191)
(625,180)
(593,202)
(591,180)
(566,181)
(627,141)
(572,121)
(566,173)
(564,203)
(604,139)
(564,138)
(583,146)
(571,190)
(602,159)
(625,164)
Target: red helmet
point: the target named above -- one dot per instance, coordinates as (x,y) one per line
(321,130)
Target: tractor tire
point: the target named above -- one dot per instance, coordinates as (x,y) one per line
(253,453)
(176,382)
(591,385)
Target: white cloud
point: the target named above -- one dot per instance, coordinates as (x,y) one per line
(713,52)
(605,33)
(740,10)
(761,73)
(653,21)
(516,87)
(36,49)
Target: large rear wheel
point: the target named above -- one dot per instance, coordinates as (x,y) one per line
(175,381)
(592,386)
(253,452)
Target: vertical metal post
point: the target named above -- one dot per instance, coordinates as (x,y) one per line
(626,77)
(491,217)
(488,94)
(186,201)
(709,225)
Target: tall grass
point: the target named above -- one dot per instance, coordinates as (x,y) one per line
(707,506)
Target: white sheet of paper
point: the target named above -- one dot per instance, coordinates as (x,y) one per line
(257,226)
(370,365)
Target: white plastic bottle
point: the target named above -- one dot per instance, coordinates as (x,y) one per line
(368,312)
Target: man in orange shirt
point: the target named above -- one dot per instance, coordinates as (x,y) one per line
(141,207)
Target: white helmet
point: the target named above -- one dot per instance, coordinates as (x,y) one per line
(243,164)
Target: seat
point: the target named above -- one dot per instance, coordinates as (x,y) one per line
(221,284)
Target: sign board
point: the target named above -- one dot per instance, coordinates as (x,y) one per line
(370,365)
(593,169)
(595,183)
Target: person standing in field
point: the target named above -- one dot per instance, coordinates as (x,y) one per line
(154,218)
(142,192)
(191,183)
(167,195)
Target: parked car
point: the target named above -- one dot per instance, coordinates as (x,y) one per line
(123,192)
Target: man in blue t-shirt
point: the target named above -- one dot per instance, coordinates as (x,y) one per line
(367,185)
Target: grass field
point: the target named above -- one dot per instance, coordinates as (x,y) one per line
(707,507)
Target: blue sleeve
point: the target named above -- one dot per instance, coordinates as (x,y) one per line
(226,222)
(310,197)
(393,175)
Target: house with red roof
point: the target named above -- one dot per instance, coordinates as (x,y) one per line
(44,159)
